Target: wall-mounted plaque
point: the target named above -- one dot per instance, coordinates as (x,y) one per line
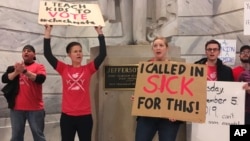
(120,77)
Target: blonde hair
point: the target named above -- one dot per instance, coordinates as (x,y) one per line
(160,38)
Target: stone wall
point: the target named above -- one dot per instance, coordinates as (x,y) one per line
(200,21)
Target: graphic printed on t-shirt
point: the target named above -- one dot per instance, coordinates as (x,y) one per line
(23,80)
(211,73)
(75,82)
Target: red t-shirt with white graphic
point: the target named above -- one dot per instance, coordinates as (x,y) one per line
(76,82)
(30,93)
(211,73)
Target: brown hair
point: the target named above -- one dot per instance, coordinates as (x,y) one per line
(161,38)
(212,42)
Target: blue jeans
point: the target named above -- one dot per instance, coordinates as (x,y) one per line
(36,122)
(148,126)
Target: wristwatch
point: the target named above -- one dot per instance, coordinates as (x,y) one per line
(24,71)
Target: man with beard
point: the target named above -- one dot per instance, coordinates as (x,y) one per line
(244,58)
(242,73)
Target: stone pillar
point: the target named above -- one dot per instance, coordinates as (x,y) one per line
(112,107)
(139,21)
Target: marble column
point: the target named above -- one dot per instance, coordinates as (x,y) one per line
(139,21)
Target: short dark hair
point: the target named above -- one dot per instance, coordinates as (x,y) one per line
(30,47)
(244,47)
(212,42)
(71,44)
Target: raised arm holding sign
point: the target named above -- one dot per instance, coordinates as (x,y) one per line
(76,107)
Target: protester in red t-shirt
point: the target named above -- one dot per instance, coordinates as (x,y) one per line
(27,103)
(241,73)
(76,108)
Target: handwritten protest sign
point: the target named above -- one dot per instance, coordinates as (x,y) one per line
(247,18)
(171,90)
(64,13)
(228,51)
(225,106)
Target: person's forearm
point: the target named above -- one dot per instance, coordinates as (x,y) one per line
(47,35)
(102,52)
(48,53)
(12,75)
(30,75)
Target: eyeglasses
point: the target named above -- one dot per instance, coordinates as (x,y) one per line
(245,52)
(212,49)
